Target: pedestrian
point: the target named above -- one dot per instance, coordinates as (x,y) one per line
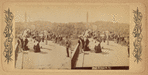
(118,38)
(115,38)
(36,46)
(86,42)
(97,46)
(104,37)
(43,38)
(22,42)
(25,47)
(128,46)
(81,44)
(67,45)
(56,38)
(61,39)
(107,37)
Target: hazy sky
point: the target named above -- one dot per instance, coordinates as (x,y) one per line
(72,13)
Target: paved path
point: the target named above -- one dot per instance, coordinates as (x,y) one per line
(52,56)
(80,60)
(112,55)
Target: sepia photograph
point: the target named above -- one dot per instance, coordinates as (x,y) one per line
(72,36)
(105,37)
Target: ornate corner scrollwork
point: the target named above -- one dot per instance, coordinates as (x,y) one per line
(8,35)
(137,35)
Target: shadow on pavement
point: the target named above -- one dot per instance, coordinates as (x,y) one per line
(46,48)
(43,52)
(104,53)
(108,49)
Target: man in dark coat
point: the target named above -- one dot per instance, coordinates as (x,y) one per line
(67,45)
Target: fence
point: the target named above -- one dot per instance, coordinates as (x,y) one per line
(75,55)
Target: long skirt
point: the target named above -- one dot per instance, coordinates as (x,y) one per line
(80,47)
(37,48)
(25,47)
(98,49)
(86,48)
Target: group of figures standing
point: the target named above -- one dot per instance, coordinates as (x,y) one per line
(35,38)
(88,41)
(26,37)
(91,40)
(88,37)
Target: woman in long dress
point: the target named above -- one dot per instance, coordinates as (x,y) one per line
(86,42)
(81,44)
(36,46)
(25,44)
(98,46)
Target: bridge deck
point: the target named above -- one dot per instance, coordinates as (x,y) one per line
(112,55)
(51,56)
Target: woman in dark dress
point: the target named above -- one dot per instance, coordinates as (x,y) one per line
(22,42)
(37,48)
(25,44)
(98,46)
(37,44)
(81,44)
(86,42)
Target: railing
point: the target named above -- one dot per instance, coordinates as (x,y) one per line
(17,49)
(16,45)
(75,55)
